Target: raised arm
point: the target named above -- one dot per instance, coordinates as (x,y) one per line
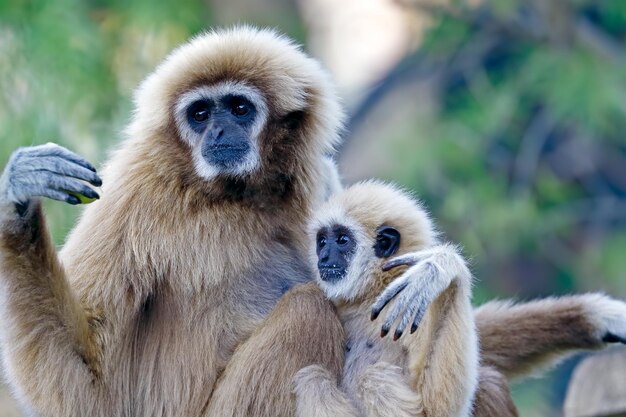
(47,347)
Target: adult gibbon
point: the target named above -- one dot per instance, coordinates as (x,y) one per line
(172,295)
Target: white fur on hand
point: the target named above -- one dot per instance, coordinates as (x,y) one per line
(609,315)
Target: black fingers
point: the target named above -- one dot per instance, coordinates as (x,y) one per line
(413,292)
(61,183)
(40,191)
(403,300)
(65,166)
(50,171)
(415,311)
(55,165)
(384,330)
(73,200)
(409,313)
(612,338)
(397,335)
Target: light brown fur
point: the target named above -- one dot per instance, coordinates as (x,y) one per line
(431,373)
(160,299)
(518,339)
(426,374)
(165,277)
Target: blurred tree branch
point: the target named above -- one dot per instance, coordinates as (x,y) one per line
(552,21)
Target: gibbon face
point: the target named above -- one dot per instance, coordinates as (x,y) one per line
(242,109)
(357,231)
(221,124)
(336,245)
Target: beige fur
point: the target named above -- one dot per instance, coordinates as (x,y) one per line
(161,301)
(428,374)
(431,373)
(493,397)
(167,276)
(521,339)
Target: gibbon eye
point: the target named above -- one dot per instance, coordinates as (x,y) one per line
(321,241)
(201,115)
(387,241)
(343,239)
(199,112)
(239,108)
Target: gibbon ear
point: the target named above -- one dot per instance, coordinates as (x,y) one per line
(294,119)
(387,241)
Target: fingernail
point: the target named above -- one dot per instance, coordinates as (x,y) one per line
(397,335)
(374,315)
(383,332)
(413,328)
(97,182)
(91,194)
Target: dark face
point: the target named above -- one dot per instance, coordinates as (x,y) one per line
(336,246)
(225,125)
(335,249)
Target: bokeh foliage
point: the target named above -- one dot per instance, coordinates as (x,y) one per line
(523,155)
(69,67)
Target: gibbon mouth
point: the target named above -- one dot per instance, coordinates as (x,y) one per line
(332,274)
(226,155)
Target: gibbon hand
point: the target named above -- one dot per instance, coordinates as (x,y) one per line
(431,271)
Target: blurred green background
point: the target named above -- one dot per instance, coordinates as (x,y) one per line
(506,117)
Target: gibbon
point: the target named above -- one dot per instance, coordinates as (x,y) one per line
(364,237)
(177,293)
(200,229)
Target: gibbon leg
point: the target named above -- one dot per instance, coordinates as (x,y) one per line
(302,329)
(493,397)
(517,339)
(384,391)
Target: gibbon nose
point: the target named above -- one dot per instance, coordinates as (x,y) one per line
(323,257)
(215,132)
(330,259)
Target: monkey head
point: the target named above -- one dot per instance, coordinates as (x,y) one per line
(359,229)
(243,108)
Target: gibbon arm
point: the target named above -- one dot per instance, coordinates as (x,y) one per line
(518,339)
(303,329)
(443,356)
(46,338)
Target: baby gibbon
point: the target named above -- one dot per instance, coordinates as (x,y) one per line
(375,244)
